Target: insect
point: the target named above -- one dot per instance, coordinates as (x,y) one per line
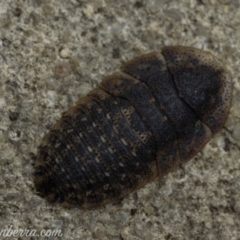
(141,122)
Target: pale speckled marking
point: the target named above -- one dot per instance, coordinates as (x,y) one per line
(108,116)
(115,129)
(152,101)
(57,160)
(97,159)
(133,153)
(120,164)
(110,150)
(124,142)
(68,147)
(117,132)
(91,181)
(164,119)
(68,177)
(102,139)
(89,149)
(83,119)
(142,136)
(57,144)
(83,169)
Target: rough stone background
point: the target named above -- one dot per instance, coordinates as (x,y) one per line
(52,52)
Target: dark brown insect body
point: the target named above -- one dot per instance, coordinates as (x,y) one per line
(157,112)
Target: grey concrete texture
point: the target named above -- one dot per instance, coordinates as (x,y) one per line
(52,53)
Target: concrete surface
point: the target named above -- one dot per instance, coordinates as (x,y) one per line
(52,52)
